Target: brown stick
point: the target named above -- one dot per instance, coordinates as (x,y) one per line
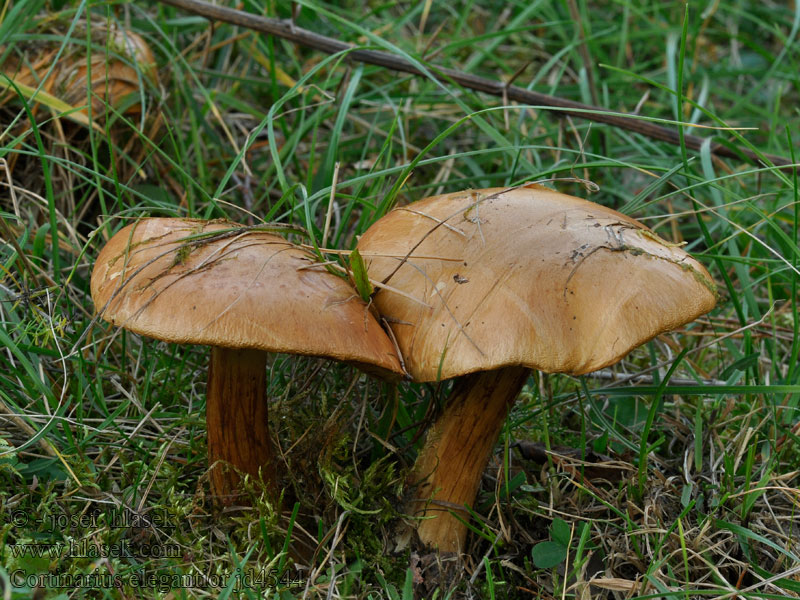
(287,30)
(236,418)
(449,467)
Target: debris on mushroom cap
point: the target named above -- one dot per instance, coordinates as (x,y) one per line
(179,281)
(526,276)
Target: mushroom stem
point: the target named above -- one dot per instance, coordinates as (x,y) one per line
(449,467)
(236,417)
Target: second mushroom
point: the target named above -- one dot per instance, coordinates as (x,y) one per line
(514,279)
(245,293)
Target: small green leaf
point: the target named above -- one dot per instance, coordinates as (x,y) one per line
(547,555)
(360,279)
(560,532)
(740,366)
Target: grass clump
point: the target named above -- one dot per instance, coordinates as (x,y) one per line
(101,432)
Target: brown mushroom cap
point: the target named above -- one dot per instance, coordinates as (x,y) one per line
(526,276)
(243,290)
(114,76)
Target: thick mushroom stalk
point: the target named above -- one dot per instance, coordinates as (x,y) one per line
(244,292)
(468,429)
(511,279)
(237,420)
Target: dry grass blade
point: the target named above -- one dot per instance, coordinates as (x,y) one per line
(443,223)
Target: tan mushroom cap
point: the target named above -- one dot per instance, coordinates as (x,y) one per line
(526,276)
(243,290)
(114,76)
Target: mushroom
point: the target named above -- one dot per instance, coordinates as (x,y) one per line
(115,74)
(245,293)
(516,279)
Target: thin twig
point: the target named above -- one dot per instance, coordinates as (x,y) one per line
(289,31)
